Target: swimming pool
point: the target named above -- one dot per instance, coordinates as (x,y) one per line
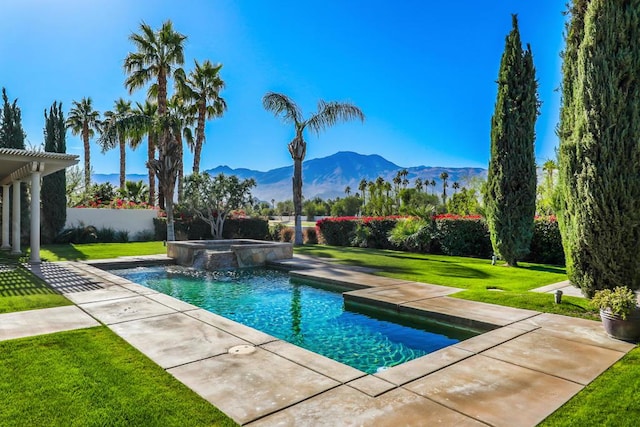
(305,314)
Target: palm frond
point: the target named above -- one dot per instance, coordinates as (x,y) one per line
(330,113)
(282,105)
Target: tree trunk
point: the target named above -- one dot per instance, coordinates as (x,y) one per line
(297,199)
(180,169)
(171,233)
(151,153)
(87,159)
(123,162)
(197,150)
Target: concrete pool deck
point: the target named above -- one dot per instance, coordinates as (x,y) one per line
(514,375)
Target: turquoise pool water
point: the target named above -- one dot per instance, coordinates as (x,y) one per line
(304,314)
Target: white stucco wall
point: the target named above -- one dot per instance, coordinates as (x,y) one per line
(131,220)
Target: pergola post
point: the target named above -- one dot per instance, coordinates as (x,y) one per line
(6,245)
(35,213)
(15,223)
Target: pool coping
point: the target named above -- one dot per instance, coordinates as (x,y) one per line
(144,317)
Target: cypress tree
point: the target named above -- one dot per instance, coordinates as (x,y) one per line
(510,194)
(54,198)
(12,136)
(599,155)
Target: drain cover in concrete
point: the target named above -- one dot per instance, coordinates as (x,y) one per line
(242,349)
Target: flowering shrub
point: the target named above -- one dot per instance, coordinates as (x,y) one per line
(115,204)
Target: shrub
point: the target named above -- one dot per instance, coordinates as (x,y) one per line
(462,237)
(106,235)
(412,234)
(145,236)
(246,228)
(337,231)
(311,236)
(379,232)
(287,234)
(275,231)
(546,244)
(80,234)
(194,228)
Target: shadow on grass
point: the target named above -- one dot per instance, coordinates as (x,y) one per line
(545,268)
(66,252)
(15,280)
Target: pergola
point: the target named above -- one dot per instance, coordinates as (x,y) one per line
(18,166)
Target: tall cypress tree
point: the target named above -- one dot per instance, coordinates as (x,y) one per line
(599,155)
(510,194)
(54,198)
(12,136)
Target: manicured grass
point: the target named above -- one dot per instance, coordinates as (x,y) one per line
(571,306)
(610,400)
(20,290)
(89,251)
(93,377)
(460,272)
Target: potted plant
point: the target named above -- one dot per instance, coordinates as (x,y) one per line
(619,312)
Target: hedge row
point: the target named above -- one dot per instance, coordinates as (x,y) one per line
(196,229)
(447,234)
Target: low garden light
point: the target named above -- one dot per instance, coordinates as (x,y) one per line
(558,296)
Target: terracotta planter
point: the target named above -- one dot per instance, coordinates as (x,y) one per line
(622,329)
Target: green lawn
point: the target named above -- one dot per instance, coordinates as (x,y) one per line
(20,290)
(89,251)
(93,377)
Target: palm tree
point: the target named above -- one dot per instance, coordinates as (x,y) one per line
(121,109)
(185,120)
(84,120)
(455,186)
(156,59)
(444,176)
(418,184)
(202,88)
(327,115)
(347,190)
(362,186)
(149,109)
(433,186)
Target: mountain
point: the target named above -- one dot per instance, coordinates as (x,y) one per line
(327,177)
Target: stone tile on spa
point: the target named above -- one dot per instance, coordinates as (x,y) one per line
(249,385)
(101,292)
(489,339)
(422,366)
(232,327)
(44,321)
(124,309)
(171,302)
(482,312)
(580,330)
(562,358)
(496,392)
(321,364)
(176,339)
(345,406)
(371,386)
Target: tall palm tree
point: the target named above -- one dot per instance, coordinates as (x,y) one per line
(418,184)
(347,190)
(202,88)
(184,120)
(328,114)
(455,186)
(362,186)
(433,186)
(158,56)
(149,109)
(121,109)
(444,177)
(84,120)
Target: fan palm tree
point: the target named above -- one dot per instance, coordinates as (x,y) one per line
(328,114)
(202,88)
(84,120)
(121,109)
(455,186)
(158,56)
(418,184)
(149,109)
(444,177)
(433,186)
(184,118)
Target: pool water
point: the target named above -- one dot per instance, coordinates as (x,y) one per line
(303,314)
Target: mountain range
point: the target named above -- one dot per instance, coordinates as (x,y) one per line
(327,177)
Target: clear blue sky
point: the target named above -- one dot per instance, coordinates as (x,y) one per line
(422,71)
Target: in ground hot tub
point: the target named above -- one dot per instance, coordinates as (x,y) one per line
(232,253)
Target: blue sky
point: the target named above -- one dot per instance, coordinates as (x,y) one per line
(422,71)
